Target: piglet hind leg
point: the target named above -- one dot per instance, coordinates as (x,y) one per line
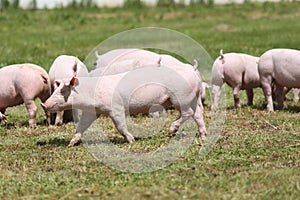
(266,84)
(31,108)
(236,96)
(250,97)
(198,118)
(279,95)
(120,124)
(296,92)
(184,115)
(85,121)
(216,93)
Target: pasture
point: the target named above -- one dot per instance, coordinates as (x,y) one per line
(256,157)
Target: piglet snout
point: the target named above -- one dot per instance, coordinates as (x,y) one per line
(3,117)
(44,106)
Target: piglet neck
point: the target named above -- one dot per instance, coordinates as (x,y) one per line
(83,94)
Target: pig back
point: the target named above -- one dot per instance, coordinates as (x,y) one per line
(63,68)
(139,89)
(286,67)
(110,56)
(119,55)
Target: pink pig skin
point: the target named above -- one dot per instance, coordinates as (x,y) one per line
(109,95)
(23,83)
(281,67)
(65,67)
(239,71)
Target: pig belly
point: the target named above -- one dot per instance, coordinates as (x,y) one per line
(286,78)
(9,102)
(146,109)
(143,102)
(287,67)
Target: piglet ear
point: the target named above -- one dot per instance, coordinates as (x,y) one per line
(195,64)
(97,55)
(75,66)
(57,83)
(74,81)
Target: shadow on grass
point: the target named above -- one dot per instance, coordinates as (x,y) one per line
(122,140)
(38,123)
(65,142)
(114,140)
(8,125)
(287,108)
(292,108)
(55,142)
(260,107)
(255,106)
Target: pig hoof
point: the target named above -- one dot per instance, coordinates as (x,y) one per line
(173,130)
(58,123)
(171,134)
(130,139)
(73,142)
(75,139)
(238,106)
(203,137)
(33,126)
(270,108)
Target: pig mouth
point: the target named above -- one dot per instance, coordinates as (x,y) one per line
(54,108)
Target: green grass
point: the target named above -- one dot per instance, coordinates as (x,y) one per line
(256,157)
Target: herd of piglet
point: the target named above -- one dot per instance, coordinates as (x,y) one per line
(134,81)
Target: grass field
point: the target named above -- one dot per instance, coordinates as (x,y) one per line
(256,157)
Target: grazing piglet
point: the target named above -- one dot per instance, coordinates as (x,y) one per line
(65,67)
(132,92)
(281,67)
(239,71)
(23,83)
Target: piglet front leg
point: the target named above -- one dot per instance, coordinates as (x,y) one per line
(76,138)
(31,108)
(85,121)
